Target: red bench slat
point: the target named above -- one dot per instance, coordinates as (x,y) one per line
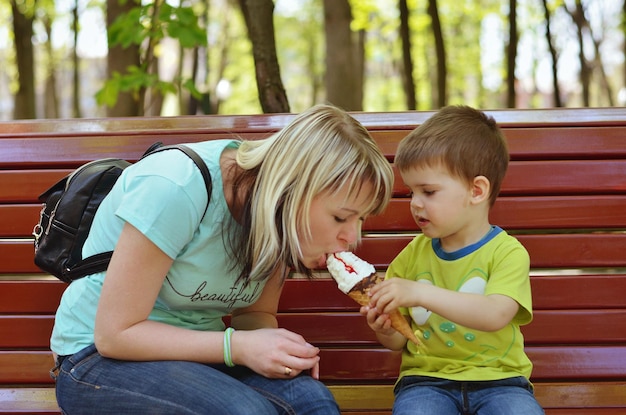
(550,292)
(349,328)
(511,213)
(546,251)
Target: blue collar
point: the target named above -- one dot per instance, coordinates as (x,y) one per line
(451,256)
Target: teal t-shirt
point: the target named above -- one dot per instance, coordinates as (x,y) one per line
(498,264)
(164,196)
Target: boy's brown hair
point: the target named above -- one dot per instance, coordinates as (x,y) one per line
(462,139)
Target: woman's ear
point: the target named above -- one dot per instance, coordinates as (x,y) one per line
(480,189)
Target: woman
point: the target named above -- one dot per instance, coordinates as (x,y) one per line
(147,336)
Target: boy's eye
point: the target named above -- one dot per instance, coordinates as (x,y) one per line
(339,220)
(429,192)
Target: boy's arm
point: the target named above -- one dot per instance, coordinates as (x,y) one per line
(467,309)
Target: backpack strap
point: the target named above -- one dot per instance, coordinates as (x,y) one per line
(100,262)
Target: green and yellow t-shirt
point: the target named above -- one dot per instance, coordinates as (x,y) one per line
(498,264)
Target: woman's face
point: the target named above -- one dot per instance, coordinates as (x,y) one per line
(335,224)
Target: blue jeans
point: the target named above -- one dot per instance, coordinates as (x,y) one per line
(420,395)
(88,383)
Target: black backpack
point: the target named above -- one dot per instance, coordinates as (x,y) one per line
(69,208)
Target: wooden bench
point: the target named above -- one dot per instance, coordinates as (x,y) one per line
(564,198)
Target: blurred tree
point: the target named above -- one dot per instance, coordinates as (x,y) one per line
(607,96)
(300,45)
(343,87)
(440,49)
(137,31)
(623,24)
(51,99)
(121,101)
(407,60)
(553,55)
(23,15)
(196,104)
(159,62)
(578,15)
(259,17)
(76,112)
(511,55)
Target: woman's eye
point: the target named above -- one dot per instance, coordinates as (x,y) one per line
(340,220)
(429,192)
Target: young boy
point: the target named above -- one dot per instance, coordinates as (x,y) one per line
(464,282)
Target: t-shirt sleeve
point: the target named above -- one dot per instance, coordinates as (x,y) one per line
(166,210)
(510,277)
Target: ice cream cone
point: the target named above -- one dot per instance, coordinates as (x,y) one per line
(360,294)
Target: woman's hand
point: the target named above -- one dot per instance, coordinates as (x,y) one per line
(274,353)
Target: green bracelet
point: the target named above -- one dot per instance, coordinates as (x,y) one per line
(228,359)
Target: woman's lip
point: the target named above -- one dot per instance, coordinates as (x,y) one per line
(322,261)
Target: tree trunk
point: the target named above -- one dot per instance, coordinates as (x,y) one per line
(359,72)
(555,79)
(407,60)
(76,112)
(604,79)
(152,98)
(149,99)
(511,54)
(259,17)
(624,46)
(585,73)
(51,100)
(342,79)
(25,98)
(118,60)
(442,94)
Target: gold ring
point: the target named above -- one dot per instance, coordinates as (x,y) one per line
(287,371)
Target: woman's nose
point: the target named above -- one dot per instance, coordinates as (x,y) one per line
(349,234)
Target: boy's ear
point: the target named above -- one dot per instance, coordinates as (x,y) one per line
(480,189)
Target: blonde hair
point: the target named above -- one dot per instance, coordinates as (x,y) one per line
(322,149)
(464,140)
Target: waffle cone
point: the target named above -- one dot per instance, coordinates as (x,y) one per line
(360,294)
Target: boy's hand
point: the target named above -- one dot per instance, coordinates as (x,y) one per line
(393,293)
(380,323)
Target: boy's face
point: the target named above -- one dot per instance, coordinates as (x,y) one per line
(440,202)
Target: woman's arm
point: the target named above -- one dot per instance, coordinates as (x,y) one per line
(122,329)
(261,314)
(280,348)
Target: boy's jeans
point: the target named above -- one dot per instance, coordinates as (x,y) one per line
(419,395)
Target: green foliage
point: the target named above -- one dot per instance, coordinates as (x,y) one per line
(134,80)
(149,24)
(189,85)
(182,24)
(125,31)
(362,10)
(141,23)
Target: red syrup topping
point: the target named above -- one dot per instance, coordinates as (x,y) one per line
(348,267)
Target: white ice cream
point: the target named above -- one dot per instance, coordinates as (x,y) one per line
(348,269)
